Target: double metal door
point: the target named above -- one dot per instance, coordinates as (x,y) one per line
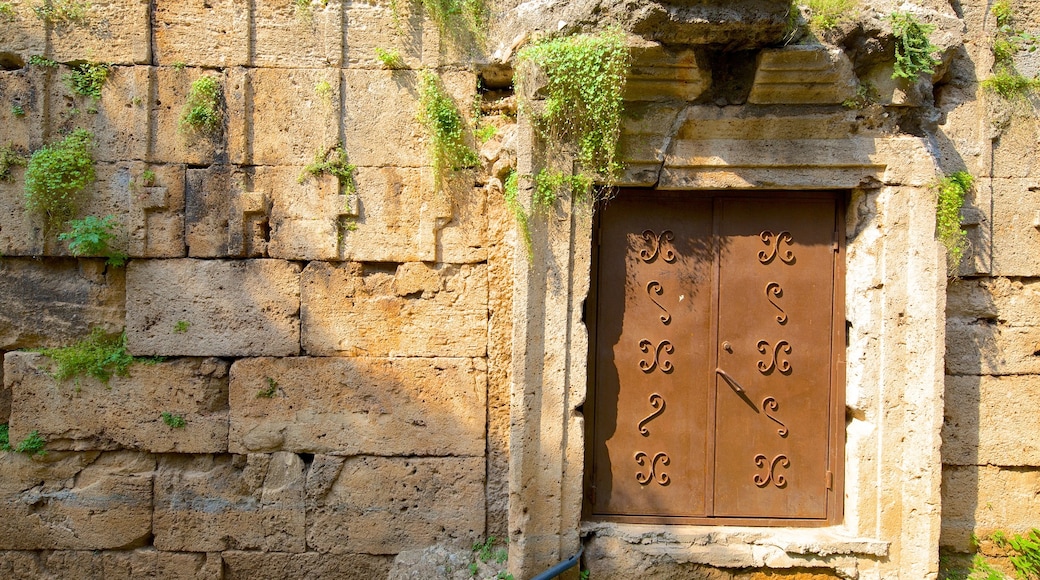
(715,383)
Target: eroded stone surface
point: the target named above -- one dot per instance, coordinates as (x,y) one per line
(105,565)
(77,501)
(411,310)
(213,308)
(979,500)
(83,414)
(377,505)
(252,565)
(991,421)
(198,33)
(113,31)
(358,406)
(230,502)
(298,34)
(57,302)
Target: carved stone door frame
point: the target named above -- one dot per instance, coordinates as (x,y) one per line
(895,289)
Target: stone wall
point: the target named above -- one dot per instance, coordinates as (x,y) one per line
(384,375)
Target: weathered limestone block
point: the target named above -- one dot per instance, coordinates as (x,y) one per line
(395,216)
(382,136)
(153,218)
(664,74)
(803,75)
(170,141)
(77,501)
(57,302)
(252,565)
(986,347)
(124,413)
(109,565)
(415,310)
(209,503)
(645,137)
(295,34)
(23,129)
(991,421)
(113,31)
(295,114)
(225,216)
(1015,152)
(1007,301)
(308,220)
(1016,226)
(118,120)
(979,500)
(231,308)
(202,33)
(371,25)
(378,505)
(23,34)
(359,406)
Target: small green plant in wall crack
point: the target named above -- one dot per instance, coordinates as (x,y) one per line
(445,127)
(90,237)
(173,421)
(87,79)
(100,355)
(1008,41)
(390,59)
(181,326)
(269,391)
(951,191)
(9,157)
(56,175)
(332,161)
(202,111)
(33,444)
(915,53)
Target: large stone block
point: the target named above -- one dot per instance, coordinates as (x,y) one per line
(372,25)
(225,216)
(1016,225)
(118,120)
(1007,301)
(172,142)
(991,421)
(295,114)
(378,135)
(803,75)
(310,219)
(149,220)
(359,406)
(22,116)
(109,565)
(979,500)
(411,310)
(23,33)
(1015,152)
(985,347)
(208,503)
(113,31)
(297,34)
(89,415)
(251,565)
(213,308)
(57,302)
(379,505)
(206,33)
(77,501)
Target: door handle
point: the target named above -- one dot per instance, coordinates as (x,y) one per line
(731,381)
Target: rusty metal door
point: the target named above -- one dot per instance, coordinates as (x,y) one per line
(714,385)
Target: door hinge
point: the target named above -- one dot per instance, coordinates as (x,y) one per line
(830,479)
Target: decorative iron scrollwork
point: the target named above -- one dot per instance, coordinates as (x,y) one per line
(656,402)
(772,242)
(769,406)
(780,364)
(654,287)
(659,477)
(649,365)
(656,242)
(773,290)
(770,475)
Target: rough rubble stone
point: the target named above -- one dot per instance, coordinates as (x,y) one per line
(76,501)
(57,302)
(411,310)
(83,414)
(213,308)
(359,406)
(380,505)
(207,503)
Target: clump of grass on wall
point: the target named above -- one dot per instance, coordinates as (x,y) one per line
(951,191)
(56,175)
(445,127)
(202,110)
(99,355)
